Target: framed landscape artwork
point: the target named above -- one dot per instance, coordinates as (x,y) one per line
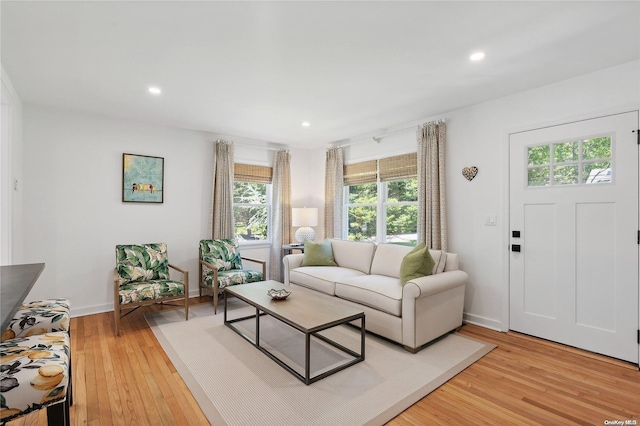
(142,179)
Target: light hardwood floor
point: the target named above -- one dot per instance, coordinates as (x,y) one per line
(129,380)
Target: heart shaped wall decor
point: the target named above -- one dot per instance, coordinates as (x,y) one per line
(470,172)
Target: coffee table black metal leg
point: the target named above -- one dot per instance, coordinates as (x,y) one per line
(307,359)
(225,306)
(257,327)
(362,334)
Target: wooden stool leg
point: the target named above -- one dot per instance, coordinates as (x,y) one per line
(58,414)
(70,386)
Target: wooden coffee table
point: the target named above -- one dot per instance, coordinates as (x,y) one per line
(305,311)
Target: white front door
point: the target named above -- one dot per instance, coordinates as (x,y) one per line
(574,203)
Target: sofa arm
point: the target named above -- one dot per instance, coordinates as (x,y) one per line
(291,261)
(434,284)
(432,306)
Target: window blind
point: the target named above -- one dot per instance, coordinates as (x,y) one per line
(359,173)
(399,167)
(252,173)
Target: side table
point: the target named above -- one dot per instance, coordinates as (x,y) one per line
(288,248)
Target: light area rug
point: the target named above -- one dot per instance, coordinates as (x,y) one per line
(236,384)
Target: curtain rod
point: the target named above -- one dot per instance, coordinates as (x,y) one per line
(268,148)
(375,138)
(378,138)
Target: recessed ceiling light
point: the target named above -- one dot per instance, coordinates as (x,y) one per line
(478,56)
(155,90)
(306,124)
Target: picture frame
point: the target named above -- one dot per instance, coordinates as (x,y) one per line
(142,179)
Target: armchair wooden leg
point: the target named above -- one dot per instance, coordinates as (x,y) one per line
(70,386)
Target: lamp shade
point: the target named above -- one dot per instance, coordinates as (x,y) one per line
(304,216)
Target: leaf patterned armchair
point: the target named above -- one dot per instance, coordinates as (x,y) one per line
(221,266)
(142,278)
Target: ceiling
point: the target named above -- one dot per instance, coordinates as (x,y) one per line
(259,69)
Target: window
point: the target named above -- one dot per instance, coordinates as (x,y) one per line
(251,202)
(381,200)
(577,162)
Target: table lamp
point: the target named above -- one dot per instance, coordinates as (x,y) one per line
(304,218)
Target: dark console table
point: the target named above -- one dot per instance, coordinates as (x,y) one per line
(16,282)
(288,248)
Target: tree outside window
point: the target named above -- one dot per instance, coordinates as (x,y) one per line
(251,210)
(401,206)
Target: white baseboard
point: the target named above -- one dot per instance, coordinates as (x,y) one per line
(90,310)
(98,309)
(482,321)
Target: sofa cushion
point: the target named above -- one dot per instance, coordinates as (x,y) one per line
(224,253)
(142,262)
(388,257)
(417,263)
(232,277)
(135,292)
(318,254)
(321,278)
(377,291)
(353,254)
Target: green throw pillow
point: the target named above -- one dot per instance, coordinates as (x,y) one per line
(318,254)
(417,263)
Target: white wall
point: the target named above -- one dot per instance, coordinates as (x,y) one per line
(307,183)
(73,214)
(478,136)
(10,170)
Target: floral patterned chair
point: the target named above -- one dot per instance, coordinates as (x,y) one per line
(35,374)
(142,278)
(221,266)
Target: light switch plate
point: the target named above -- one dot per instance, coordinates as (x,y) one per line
(490,220)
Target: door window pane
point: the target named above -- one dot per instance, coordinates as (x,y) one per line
(539,155)
(596,148)
(565,175)
(564,152)
(539,176)
(596,173)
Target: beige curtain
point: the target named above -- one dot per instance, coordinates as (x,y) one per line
(222,225)
(280,227)
(333,197)
(432,206)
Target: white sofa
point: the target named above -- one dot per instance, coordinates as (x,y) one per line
(367,277)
